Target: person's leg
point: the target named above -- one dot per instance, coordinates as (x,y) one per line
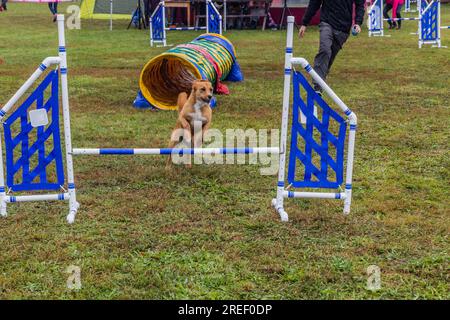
(173,14)
(399,15)
(339,38)
(387,8)
(52,7)
(322,59)
(147,11)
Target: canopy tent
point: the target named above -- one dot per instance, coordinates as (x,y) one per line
(108,9)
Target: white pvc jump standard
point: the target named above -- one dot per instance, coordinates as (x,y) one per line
(282,191)
(374,21)
(158,29)
(70,195)
(436,42)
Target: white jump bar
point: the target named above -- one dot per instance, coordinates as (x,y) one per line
(169,151)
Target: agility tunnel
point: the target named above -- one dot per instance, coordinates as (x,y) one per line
(210,56)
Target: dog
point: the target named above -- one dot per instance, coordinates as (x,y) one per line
(194,116)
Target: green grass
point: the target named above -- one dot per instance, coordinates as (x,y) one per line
(210,232)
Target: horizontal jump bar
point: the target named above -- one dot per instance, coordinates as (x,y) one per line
(402,19)
(42,197)
(185,28)
(320,195)
(445,27)
(169,151)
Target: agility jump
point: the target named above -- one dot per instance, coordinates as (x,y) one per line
(34,148)
(316,153)
(429,22)
(158,23)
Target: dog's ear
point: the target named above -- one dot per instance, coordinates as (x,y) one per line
(194,86)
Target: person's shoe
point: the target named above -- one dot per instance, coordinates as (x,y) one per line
(55,17)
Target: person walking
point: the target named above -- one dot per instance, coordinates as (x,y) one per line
(336,22)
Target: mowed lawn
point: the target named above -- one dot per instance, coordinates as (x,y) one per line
(210,232)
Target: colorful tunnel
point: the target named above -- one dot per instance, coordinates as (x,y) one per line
(210,56)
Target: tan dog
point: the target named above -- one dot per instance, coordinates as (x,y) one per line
(194,116)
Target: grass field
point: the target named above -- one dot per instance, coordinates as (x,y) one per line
(210,232)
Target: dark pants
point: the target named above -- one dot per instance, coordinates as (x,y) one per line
(387,8)
(149,7)
(147,10)
(331,42)
(53,6)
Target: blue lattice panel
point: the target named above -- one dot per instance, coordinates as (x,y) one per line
(430,23)
(33,154)
(376,22)
(213,19)
(317,147)
(158,24)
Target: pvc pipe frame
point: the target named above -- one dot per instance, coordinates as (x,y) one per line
(164,40)
(371,17)
(289,62)
(22,90)
(224,22)
(38,197)
(61,60)
(164,29)
(110,15)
